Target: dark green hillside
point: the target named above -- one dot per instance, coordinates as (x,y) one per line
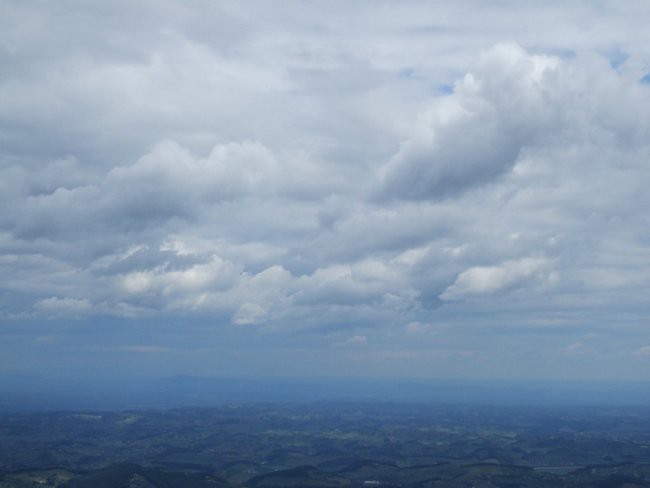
(301,476)
(328,445)
(133,476)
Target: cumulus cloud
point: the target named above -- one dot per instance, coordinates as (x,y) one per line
(511,104)
(385,177)
(167,183)
(230,170)
(487,280)
(214,274)
(248,313)
(230,230)
(478,132)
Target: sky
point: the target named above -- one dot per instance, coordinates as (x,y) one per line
(299,188)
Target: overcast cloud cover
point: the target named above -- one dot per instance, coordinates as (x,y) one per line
(412,188)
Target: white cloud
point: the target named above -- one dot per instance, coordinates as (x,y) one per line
(487,280)
(476,133)
(197,161)
(214,274)
(237,228)
(248,314)
(229,171)
(64,305)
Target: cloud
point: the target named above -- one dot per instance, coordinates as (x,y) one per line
(65,306)
(169,170)
(236,230)
(478,132)
(248,313)
(309,168)
(510,105)
(216,273)
(486,280)
(165,184)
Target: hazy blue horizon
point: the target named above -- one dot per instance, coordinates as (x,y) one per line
(22,393)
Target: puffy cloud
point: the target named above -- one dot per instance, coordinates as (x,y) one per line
(384,179)
(341,284)
(237,231)
(216,273)
(511,104)
(487,280)
(248,313)
(165,184)
(419,249)
(478,132)
(230,170)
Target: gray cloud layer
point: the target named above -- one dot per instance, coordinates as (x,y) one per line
(301,169)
